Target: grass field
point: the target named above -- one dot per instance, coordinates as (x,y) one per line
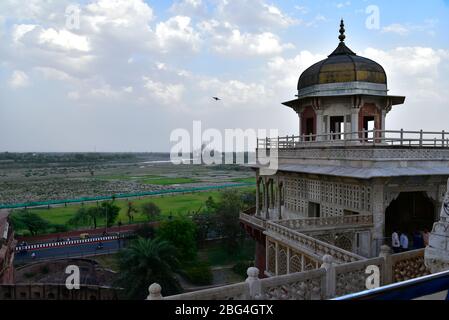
(169,204)
(245,180)
(168,181)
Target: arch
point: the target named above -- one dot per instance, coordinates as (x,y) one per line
(409,212)
(369,112)
(282,261)
(295,264)
(308,121)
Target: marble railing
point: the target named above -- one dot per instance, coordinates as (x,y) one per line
(238,291)
(351,277)
(406,265)
(329,281)
(309,285)
(302,242)
(254,220)
(328,222)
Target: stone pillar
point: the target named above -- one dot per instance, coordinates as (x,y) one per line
(385,252)
(436,254)
(279,201)
(377,202)
(154,292)
(255,288)
(266,199)
(319,124)
(383,117)
(354,123)
(276,269)
(329,266)
(257,195)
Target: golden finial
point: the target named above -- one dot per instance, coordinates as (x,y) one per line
(342,31)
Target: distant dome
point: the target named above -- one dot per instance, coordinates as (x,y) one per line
(342,66)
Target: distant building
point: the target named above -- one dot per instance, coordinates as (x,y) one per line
(346,181)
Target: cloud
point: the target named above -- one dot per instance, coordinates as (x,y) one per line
(253,14)
(229,40)
(396,28)
(19,79)
(177,33)
(168,94)
(189,7)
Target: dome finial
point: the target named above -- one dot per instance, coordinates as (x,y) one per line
(342,31)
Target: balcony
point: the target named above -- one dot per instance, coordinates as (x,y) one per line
(367,138)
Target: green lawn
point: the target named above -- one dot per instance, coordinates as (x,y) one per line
(245,180)
(168,181)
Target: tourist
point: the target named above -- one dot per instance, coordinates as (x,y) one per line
(404,242)
(418,241)
(396,245)
(425,236)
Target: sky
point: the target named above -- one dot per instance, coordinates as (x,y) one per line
(122,75)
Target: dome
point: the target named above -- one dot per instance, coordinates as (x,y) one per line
(344,68)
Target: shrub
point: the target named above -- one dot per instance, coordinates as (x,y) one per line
(199,274)
(241,267)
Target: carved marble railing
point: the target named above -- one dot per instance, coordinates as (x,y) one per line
(328,281)
(309,285)
(351,277)
(308,244)
(256,221)
(328,222)
(407,265)
(238,291)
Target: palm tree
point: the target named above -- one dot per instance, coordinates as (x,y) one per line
(146,261)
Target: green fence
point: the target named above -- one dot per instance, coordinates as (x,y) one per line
(122,195)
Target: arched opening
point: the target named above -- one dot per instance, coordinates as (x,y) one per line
(370,119)
(411,211)
(308,122)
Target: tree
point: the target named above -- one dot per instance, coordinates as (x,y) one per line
(131,209)
(109,211)
(249,199)
(86,216)
(227,214)
(146,261)
(25,219)
(151,210)
(181,232)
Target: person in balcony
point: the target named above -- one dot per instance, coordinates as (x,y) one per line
(404,241)
(418,241)
(395,244)
(425,236)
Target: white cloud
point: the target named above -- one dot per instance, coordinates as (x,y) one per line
(189,7)
(228,39)
(176,33)
(64,39)
(168,94)
(19,30)
(396,28)
(343,4)
(256,14)
(19,79)
(284,73)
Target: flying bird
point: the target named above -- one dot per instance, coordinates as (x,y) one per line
(216,98)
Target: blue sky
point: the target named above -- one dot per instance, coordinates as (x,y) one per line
(135,70)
